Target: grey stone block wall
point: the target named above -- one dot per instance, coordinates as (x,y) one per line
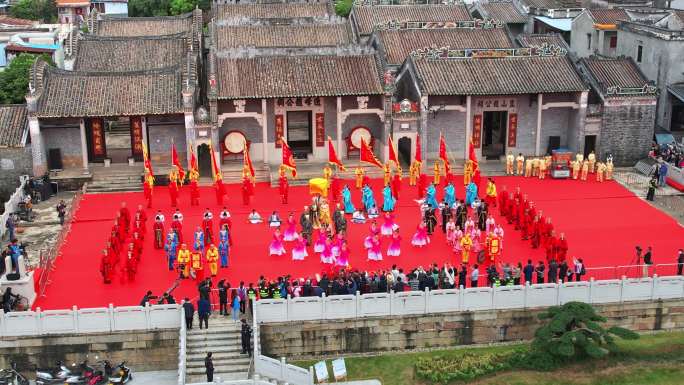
(329,119)
(14,162)
(161,136)
(626,133)
(68,140)
(555,122)
(250,127)
(452,125)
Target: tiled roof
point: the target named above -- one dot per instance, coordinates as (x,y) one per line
(398,44)
(97,53)
(538,39)
(554,4)
(80,94)
(143,26)
(498,76)
(621,72)
(505,12)
(290,76)
(15,22)
(607,16)
(367,17)
(72,3)
(270,11)
(308,35)
(13,125)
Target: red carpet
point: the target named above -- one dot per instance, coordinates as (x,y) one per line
(602,222)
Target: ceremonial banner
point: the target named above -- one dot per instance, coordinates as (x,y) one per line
(512,129)
(247,161)
(392,152)
(194,169)
(279,129)
(147,165)
(419,156)
(443,154)
(366,155)
(477,131)
(215,169)
(332,156)
(97,137)
(288,158)
(136,137)
(475,165)
(176,162)
(320,130)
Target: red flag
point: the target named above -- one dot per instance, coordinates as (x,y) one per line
(392,152)
(288,158)
(443,154)
(332,156)
(147,165)
(366,155)
(419,156)
(247,161)
(215,169)
(176,163)
(473,162)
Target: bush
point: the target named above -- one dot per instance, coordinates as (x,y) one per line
(465,367)
(343,7)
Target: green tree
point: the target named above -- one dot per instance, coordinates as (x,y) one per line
(15,78)
(44,10)
(178,7)
(147,8)
(343,7)
(574,331)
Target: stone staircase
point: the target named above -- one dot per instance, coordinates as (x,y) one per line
(115,179)
(222,339)
(232,172)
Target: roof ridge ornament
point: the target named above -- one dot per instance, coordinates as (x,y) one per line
(647,89)
(465,24)
(434,53)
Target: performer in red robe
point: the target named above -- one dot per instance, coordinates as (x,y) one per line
(422,185)
(503,202)
(139,228)
(283,187)
(147,190)
(208,227)
(159,230)
(335,187)
(536,233)
(396,185)
(548,231)
(177,227)
(220,191)
(194,193)
(224,218)
(130,267)
(125,216)
(561,248)
(551,247)
(173,188)
(137,245)
(120,229)
(106,268)
(246,190)
(140,214)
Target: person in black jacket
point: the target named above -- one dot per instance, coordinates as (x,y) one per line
(223,298)
(189,310)
(462,275)
(209,366)
(245,336)
(553,271)
(528,271)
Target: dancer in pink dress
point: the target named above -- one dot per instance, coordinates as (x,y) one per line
(290,233)
(469,225)
(342,260)
(420,238)
(276,247)
(389,226)
(299,251)
(450,231)
(326,254)
(319,245)
(375,253)
(490,223)
(458,234)
(374,230)
(394,249)
(337,242)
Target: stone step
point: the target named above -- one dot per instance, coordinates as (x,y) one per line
(224,363)
(219,352)
(240,369)
(223,335)
(210,344)
(223,376)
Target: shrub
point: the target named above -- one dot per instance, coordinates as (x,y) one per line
(465,367)
(343,7)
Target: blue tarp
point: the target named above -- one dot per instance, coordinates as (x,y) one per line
(559,24)
(3,60)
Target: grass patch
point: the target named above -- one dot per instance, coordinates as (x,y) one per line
(651,360)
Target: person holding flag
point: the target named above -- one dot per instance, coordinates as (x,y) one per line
(173,187)
(283,185)
(396,178)
(219,188)
(288,163)
(148,181)
(247,177)
(444,157)
(193,175)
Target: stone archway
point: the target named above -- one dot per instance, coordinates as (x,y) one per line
(404,145)
(204,160)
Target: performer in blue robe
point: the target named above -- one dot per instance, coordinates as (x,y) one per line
(449,195)
(388,200)
(430,198)
(346,198)
(224,246)
(171,247)
(199,240)
(368,198)
(471,193)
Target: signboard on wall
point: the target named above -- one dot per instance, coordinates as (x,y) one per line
(136,137)
(477,130)
(279,129)
(97,137)
(320,130)
(512,129)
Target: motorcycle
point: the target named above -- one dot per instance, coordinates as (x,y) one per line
(57,375)
(122,374)
(12,376)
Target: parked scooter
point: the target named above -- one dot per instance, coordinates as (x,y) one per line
(121,374)
(12,376)
(64,375)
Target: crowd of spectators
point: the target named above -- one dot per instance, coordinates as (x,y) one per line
(671,153)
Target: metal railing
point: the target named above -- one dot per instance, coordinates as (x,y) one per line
(48,256)
(182,349)
(13,203)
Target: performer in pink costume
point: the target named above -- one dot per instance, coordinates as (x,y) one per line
(326,254)
(375,253)
(299,251)
(374,230)
(394,249)
(490,223)
(319,245)
(450,231)
(389,226)
(337,242)
(420,238)
(290,233)
(276,247)
(342,260)
(458,234)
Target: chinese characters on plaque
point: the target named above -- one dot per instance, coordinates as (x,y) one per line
(477,130)
(136,136)
(279,129)
(320,130)
(496,103)
(98,137)
(512,129)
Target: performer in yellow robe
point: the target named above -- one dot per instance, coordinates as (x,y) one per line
(579,157)
(359,172)
(520,160)
(212,257)
(609,168)
(535,166)
(387,177)
(592,161)
(528,168)
(510,159)
(327,172)
(542,168)
(466,244)
(413,173)
(184,260)
(437,172)
(575,169)
(600,170)
(585,170)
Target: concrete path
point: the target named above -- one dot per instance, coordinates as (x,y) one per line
(161,377)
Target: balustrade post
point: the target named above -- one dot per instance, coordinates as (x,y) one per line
(283,363)
(39,321)
(526,287)
(623,282)
(357,301)
(74,313)
(426,308)
(3,322)
(110,311)
(391,302)
(654,283)
(148,318)
(461,296)
(591,290)
(324,309)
